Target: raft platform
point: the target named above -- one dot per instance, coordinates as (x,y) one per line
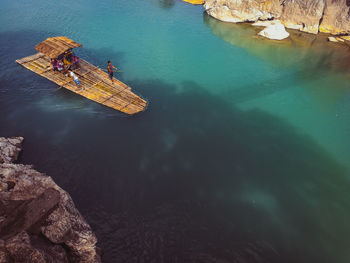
(94,84)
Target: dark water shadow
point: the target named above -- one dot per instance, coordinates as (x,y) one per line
(164,4)
(201,171)
(192,179)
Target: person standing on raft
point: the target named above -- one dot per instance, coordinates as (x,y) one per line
(110,68)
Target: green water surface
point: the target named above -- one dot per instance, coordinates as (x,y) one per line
(256,129)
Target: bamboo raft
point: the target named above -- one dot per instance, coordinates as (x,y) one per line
(94,82)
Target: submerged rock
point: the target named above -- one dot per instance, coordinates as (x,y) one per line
(274,31)
(38,219)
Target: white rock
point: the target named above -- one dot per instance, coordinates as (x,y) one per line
(276,31)
(332,39)
(336,39)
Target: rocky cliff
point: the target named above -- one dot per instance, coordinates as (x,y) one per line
(336,17)
(312,16)
(38,219)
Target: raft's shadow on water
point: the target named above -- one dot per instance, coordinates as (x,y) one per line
(192,179)
(165,4)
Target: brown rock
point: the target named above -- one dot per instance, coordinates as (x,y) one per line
(26,248)
(4,255)
(37,217)
(9,149)
(312,16)
(27,213)
(244,10)
(20,249)
(336,18)
(303,15)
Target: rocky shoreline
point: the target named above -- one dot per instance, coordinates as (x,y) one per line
(38,219)
(311,16)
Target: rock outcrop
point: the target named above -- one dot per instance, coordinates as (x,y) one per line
(336,17)
(312,16)
(243,10)
(304,15)
(38,219)
(10,149)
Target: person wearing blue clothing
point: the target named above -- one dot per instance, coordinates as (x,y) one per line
(110,68)
(75,78)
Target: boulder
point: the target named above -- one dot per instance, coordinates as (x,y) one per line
(38,219)
(243,10)
(336,17)
(312,16)
(274,31)
(304,15)
(9,149)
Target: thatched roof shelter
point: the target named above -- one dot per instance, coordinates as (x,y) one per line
(55,46)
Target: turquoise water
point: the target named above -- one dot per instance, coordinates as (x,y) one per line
(242,154)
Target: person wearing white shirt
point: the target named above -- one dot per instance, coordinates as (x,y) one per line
(76,79)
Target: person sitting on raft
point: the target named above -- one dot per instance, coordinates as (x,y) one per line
(76,61)
(54,64)
(67,63)
(59,65)
(69,57)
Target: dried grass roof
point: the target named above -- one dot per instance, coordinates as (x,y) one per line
(55,46)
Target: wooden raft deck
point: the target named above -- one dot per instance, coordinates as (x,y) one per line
(96,83)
